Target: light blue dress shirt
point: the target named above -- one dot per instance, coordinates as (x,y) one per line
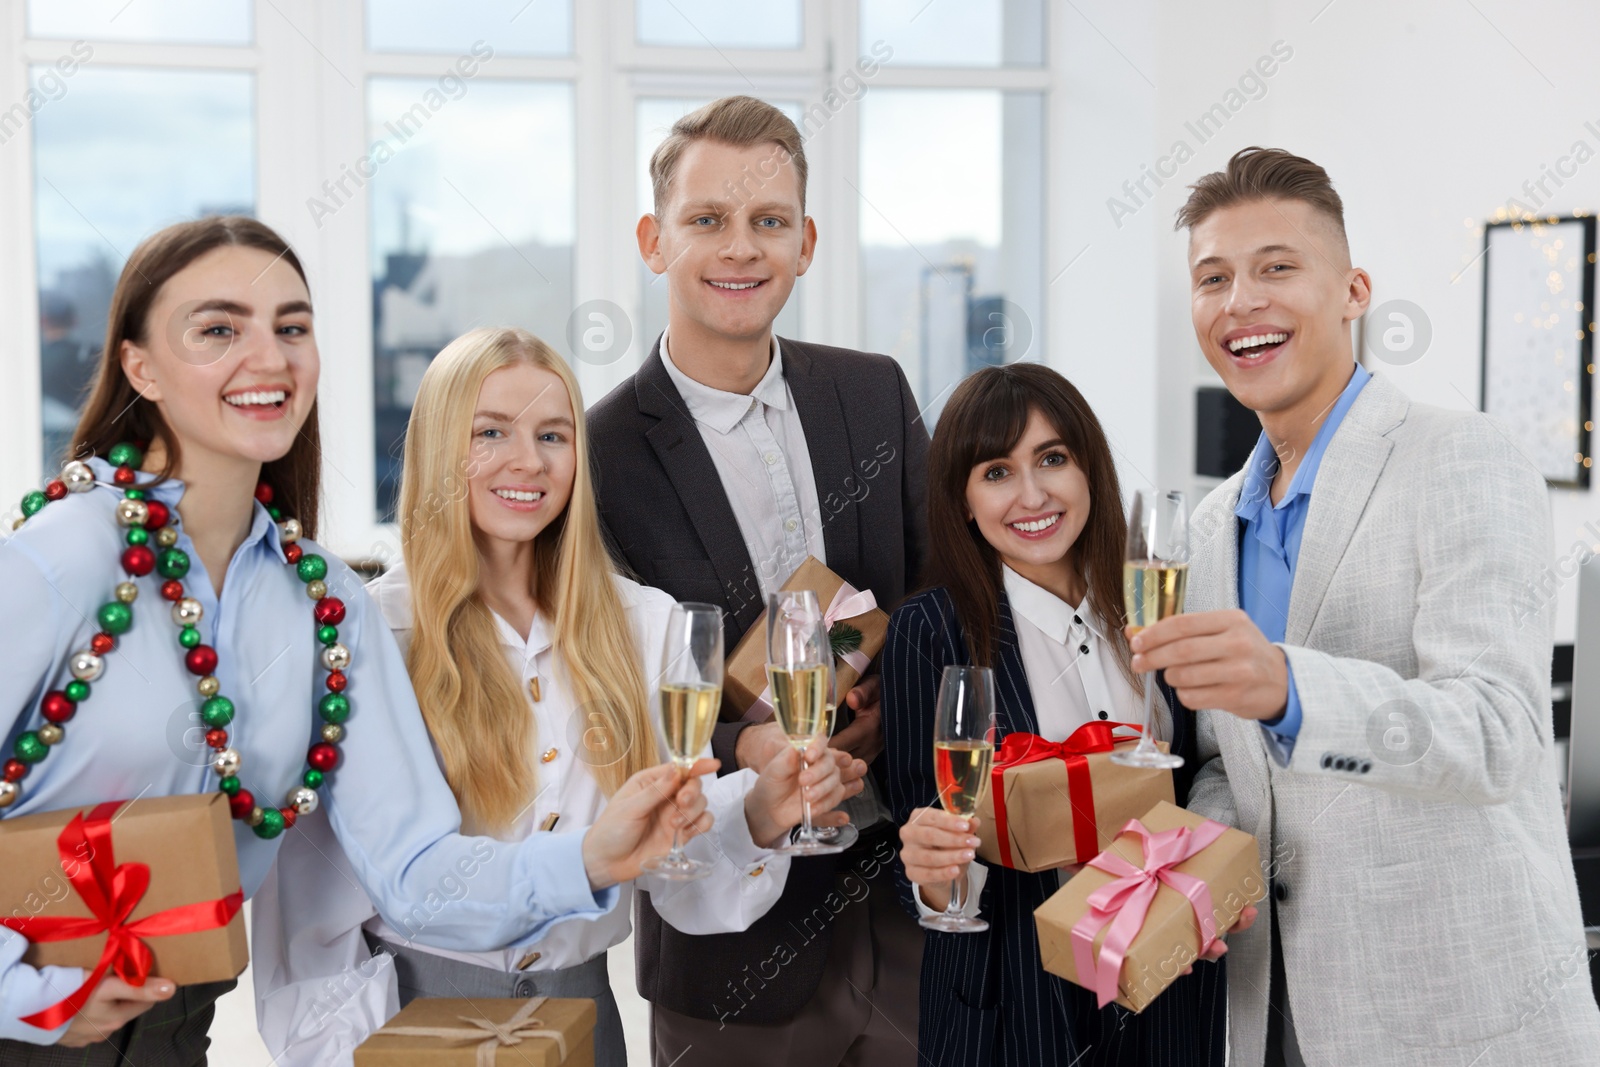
(1269,548)
(139,734)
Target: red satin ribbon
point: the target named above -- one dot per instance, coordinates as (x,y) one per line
(112,892)
(1020,748)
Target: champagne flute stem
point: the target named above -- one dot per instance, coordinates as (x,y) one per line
(805,807)
(676,854)
(955,905)
(1147,741)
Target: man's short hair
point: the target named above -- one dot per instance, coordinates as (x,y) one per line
(1262,174)
(740,121)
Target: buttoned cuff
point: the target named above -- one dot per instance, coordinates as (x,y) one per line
(977,875)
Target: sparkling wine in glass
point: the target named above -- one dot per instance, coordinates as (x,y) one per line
(1155,573)
(691,693)
(963,752)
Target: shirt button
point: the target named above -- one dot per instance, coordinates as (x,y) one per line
(771,458)
(1103,715)
(549,754)
(792,525)
(1077,620)
(1084,649)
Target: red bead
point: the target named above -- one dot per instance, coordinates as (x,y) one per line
(337,681)
(293,554)
(172,589)
(201,660)
(241,804)
(123,476)
(56,706)
(158,515)
(55,489)
(264,493)
(322,756)
(102,643)
(15,770)
(138,560)
(217,738)
(288,816)
(329,611)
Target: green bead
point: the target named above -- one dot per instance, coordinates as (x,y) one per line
(311,568)
(335,707)
(312,778)
(124,455)
(188,637)
(327,634)
(230,785)
(271,824)
(29,749)
(133,494)
(218,711)
(276,513)
(138,535)
(33,502)
(172,563)
(77,691)
(115,618)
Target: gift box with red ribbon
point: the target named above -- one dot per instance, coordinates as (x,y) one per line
(1053,803)
(139,888)
(538,1032)
(1127,925)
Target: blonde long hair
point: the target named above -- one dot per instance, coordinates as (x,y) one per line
(473,703)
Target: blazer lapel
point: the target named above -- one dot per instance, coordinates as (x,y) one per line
(816,398)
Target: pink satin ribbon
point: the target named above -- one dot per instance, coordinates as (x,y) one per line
(847,603)
(1125,902)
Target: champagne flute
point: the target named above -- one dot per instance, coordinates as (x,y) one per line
(691,694)
(800,671)
(963,752)
(1155,573)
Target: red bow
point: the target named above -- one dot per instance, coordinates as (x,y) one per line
(1020,748)
(112,892)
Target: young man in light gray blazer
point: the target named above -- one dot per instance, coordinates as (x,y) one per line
(1357,609)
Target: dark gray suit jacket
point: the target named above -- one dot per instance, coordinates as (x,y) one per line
(669,521)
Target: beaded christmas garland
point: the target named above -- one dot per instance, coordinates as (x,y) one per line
(147,521)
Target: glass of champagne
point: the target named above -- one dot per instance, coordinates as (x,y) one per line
(963,752)
(1155,573)
(800,671)
(691,694)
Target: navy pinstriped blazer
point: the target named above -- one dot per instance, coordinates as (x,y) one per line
(986,1000)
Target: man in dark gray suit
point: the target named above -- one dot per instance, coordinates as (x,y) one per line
(724,461)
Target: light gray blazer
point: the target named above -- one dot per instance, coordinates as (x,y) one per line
(1430,913)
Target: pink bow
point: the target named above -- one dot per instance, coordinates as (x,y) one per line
(1125,902)
(847,603)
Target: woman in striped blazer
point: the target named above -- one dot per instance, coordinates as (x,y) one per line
(1024,575)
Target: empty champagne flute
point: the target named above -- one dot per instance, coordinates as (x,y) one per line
(800,671)
(691,694)
(1155,573)
(963,752)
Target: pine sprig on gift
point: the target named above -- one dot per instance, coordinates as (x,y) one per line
(844,639)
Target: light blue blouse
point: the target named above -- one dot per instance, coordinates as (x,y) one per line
(139,733)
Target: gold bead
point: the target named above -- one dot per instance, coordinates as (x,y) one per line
(317,590)
(132,513)
(17,523)
(255,817)
(289,531)
(9,793)
(166,537)
(127,592)
(208,685)
(51,734)
(332,733)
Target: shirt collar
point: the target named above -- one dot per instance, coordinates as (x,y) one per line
(169,491)
(723,410)
(1255,494)
(538,636)
(1055,618)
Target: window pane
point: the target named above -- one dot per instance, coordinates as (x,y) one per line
(720,23)
(113,163)
(973,33)
(186,21)
(473,212)
(656,116)
(952,270)
(509,27)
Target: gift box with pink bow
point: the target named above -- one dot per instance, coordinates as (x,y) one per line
(857,628)
(1127,925)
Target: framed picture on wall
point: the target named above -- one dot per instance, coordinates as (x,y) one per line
(1538,338)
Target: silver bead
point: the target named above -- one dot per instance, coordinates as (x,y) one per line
(302,800)
(255,817)
(187,612)
(132,513)
(335,657)
(332,733)
(166,537)
(127,592)
(10,793)
(51,733)
(289,531)
(77,477)
(226,762)
(317,590)
(85,665)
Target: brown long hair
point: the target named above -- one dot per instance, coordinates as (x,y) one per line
(985,418)
(116,411)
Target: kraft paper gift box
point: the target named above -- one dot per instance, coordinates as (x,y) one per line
(1050,803)
(857,625)
(60,888)
(1202,869)
(539,1032)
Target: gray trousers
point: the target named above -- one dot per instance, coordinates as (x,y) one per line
(171,1034)
(423,974)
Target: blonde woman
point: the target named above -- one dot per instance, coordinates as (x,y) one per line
(534,664)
